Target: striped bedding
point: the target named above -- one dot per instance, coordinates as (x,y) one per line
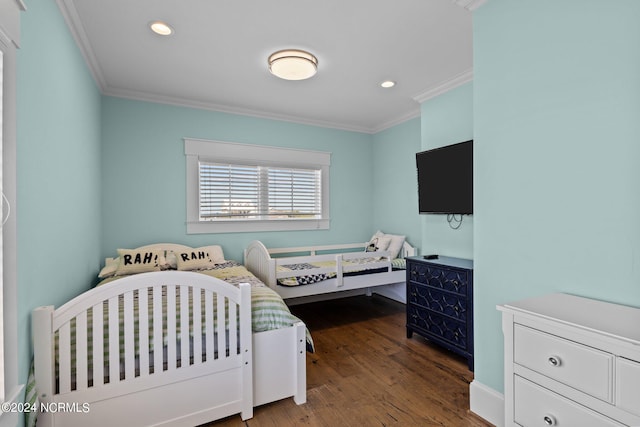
(268,310)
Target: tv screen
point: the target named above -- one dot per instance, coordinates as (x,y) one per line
(445,179)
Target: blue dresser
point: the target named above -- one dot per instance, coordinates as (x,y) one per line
(440,302)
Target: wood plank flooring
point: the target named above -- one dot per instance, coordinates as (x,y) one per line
(365,372)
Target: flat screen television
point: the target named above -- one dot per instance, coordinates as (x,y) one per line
(445,179)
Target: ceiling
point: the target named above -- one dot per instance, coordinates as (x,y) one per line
(217,57)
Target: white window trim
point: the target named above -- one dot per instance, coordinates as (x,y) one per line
(232,152)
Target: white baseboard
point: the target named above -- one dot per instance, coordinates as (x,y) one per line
(11,419)
(486,403)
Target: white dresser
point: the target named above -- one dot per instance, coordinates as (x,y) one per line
(571,362)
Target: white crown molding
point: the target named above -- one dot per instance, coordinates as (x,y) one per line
(10,22)
(470,4)
(189,103)
(445,86)
(396,121)
(71,17)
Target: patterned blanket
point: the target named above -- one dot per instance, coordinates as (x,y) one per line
(351,267)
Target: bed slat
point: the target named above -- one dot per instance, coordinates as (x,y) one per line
(129,343)
(171,328)
(64,357)
(81,351)
(209,336)
(143,331)
(184,326)
(157,329)
(114,341)
(197,327)
(221,337)
(98,344)
(339,271)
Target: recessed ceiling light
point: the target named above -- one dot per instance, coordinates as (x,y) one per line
(388,84)
(161,28)
(293,64)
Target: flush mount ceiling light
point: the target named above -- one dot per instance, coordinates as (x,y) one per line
(293,64)
(387,84)
(161,28)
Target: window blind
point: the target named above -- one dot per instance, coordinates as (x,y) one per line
(251,192)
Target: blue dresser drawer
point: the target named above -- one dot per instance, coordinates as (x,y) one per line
(445,328)
(447,303)
(449,279)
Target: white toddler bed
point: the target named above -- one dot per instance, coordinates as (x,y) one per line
(96,356)
(341,267)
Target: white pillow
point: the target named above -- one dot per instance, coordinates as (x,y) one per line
(376,235)
(396,243)
(201,258)
(109,268)
(132,261)
(380,243)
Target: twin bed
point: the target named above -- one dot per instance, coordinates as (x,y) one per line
(179,336)
(304,271)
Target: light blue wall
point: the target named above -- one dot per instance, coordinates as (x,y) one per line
(143,179)
(557,145)
(395,193)
(447,119)
(58,152)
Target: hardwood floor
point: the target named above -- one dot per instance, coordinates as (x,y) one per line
(365,372)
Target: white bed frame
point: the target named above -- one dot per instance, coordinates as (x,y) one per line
(258,259)
(271,365)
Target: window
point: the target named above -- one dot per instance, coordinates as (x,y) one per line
(241,187)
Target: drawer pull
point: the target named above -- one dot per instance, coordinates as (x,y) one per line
(549,420)
(554,360)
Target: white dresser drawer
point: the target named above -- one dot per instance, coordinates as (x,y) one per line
(565,361)
(571,359)
(628,385)
(536,406)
